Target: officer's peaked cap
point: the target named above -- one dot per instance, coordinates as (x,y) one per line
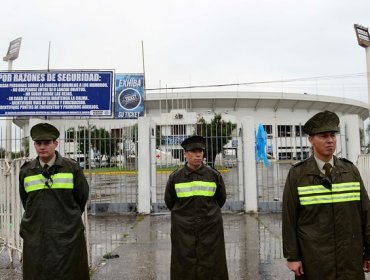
(44,131)
(193,143)
(322,122)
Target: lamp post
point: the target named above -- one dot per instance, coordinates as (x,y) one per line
(12,54)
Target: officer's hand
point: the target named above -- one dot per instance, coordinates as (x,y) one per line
(296,267)
(366,266)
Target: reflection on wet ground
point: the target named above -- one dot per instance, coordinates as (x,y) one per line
(138,247)
(253,247)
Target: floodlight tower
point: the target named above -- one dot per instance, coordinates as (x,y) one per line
(12,54)
(363,39)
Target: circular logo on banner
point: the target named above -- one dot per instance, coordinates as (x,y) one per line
(129,99)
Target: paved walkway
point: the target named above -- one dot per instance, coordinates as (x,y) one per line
(138,247)
(253,249)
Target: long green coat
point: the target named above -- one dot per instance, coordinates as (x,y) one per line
(54,245)
(327,228)
(197,235)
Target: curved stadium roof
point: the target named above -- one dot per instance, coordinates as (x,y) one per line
(255,100)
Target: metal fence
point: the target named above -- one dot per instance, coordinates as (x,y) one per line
(363,164)
(223,152)
(283,151)
(108,157)
(11,209)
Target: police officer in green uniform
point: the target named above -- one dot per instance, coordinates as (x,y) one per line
(326,210)
(195,194)
(54,192)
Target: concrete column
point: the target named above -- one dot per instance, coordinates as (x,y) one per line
(8,124)
(153,165)
(144,164)
(367,50)
(240,162)
(249,158)
(352,130)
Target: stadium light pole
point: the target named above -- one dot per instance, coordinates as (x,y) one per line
(12,54)
(363,39)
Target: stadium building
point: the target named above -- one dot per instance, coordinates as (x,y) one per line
(281,114)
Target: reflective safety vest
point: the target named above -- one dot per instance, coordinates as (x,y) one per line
(195,188)
(56,181)
(318,194)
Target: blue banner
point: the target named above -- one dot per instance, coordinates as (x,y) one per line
(56,93)
(129,96)
(173,139)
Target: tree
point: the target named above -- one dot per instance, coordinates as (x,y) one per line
(130,133)
(158,137)
(217,134)
(2,153)
(97,139)
(362,137)
(364,146)
(129,143)
(26,147)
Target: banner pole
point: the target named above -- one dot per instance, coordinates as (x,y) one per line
(49,56)
(142,55)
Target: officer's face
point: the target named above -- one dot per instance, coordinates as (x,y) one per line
(194,158)
(324,145)
(45,149)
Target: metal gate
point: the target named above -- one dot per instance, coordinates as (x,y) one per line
(224,154)
(286,145)
(108,157)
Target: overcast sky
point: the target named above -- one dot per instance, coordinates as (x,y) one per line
(197,42)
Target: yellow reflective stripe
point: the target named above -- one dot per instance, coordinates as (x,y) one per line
(331,198)
(36,187)
(195,188)
(58,181)
(195,193)
(342,187)
(31,179)
(312,189)
(349,186)
(195,183)
(34,183)
(62,181)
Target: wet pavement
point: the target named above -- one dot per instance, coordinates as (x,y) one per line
(8,270)
(138,247)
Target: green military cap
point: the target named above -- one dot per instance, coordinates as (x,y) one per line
(44,131)
(322,122)
(193,143)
